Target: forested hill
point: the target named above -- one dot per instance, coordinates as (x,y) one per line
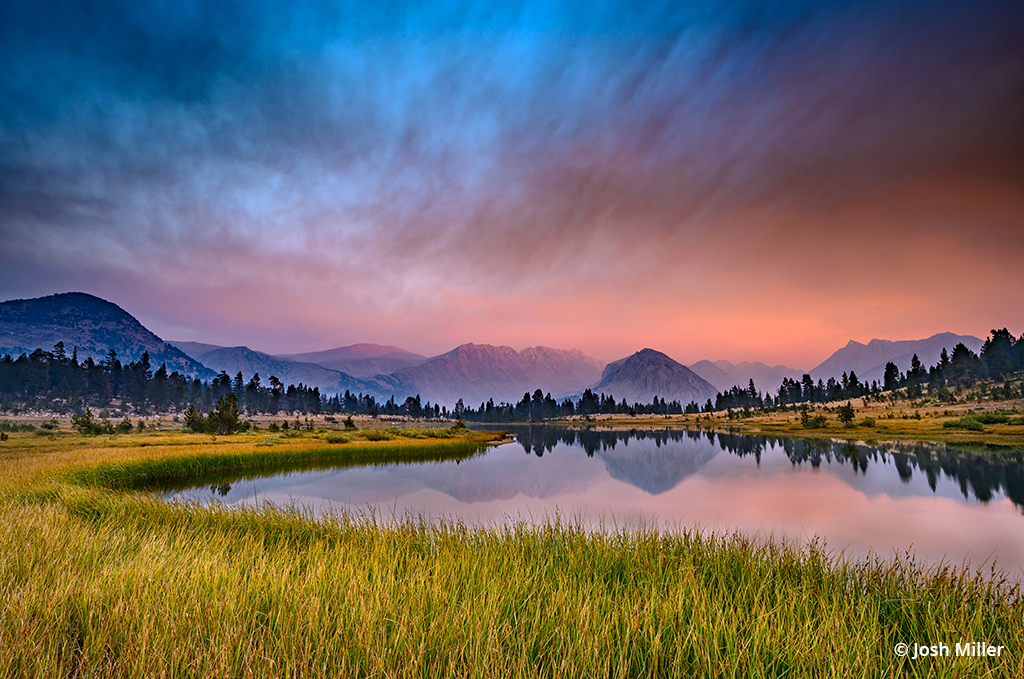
(92,325)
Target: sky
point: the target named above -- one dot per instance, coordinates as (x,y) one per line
(740,180)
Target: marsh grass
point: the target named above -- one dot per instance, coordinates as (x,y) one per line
(97,581)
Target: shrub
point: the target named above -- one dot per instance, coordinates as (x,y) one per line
(349,424)
(337,438)
(867,422)
(816,422)
(11,426)
(992,418)
(967,422)
(378,435)
(84,424)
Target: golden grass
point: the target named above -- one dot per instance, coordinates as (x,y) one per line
(99,582)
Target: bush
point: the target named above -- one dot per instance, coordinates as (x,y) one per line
(968,423)
(3,436)
(11,426)
(349,424)
(816,422)
(992,418)
(84,424)
(337,438)
(867,422)
(378,435)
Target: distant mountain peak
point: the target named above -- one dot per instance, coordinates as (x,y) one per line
(648,373)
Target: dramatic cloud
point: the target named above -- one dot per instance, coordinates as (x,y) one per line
(743,181)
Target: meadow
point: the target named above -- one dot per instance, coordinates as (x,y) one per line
(102,578)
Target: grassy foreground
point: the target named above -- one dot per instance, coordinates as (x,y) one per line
(97,580)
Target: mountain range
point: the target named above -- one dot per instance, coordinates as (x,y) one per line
(868,360)
(361,360)
(477,372)
(724,375)
(472,372)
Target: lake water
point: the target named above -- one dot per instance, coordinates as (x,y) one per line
(936,502)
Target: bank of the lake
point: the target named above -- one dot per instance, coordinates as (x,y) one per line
(101,580)
(874,422)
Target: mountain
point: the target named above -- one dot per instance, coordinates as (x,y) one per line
(649,373)
(477,372)
(766,378)
(194,349)
(233,360)
(93,325)
(719,378)
(655,468)
(361,360)
(868,360)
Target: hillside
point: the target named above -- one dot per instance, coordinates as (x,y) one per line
(649,373)
(91,324)
(868,360)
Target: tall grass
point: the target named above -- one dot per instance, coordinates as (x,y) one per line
(98,581)
(167,471)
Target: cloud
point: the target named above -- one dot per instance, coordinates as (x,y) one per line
(462,158)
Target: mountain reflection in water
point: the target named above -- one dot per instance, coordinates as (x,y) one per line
(945,504)
(981,473)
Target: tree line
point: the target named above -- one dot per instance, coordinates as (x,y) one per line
(1002,355)
(58,382)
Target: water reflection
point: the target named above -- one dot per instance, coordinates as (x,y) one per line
(981,473)
(944,503)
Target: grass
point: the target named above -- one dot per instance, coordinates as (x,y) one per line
(902,421)
(98,580)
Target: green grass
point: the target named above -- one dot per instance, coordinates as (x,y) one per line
(176,471)
(99,581)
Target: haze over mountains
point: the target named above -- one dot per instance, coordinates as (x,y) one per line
(724,375)
(478,372)
(233,360)
(868,360)
(471,372)
(361,360)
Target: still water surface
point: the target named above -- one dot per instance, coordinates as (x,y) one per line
(938,503)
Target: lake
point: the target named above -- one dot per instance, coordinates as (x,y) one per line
(937,502)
